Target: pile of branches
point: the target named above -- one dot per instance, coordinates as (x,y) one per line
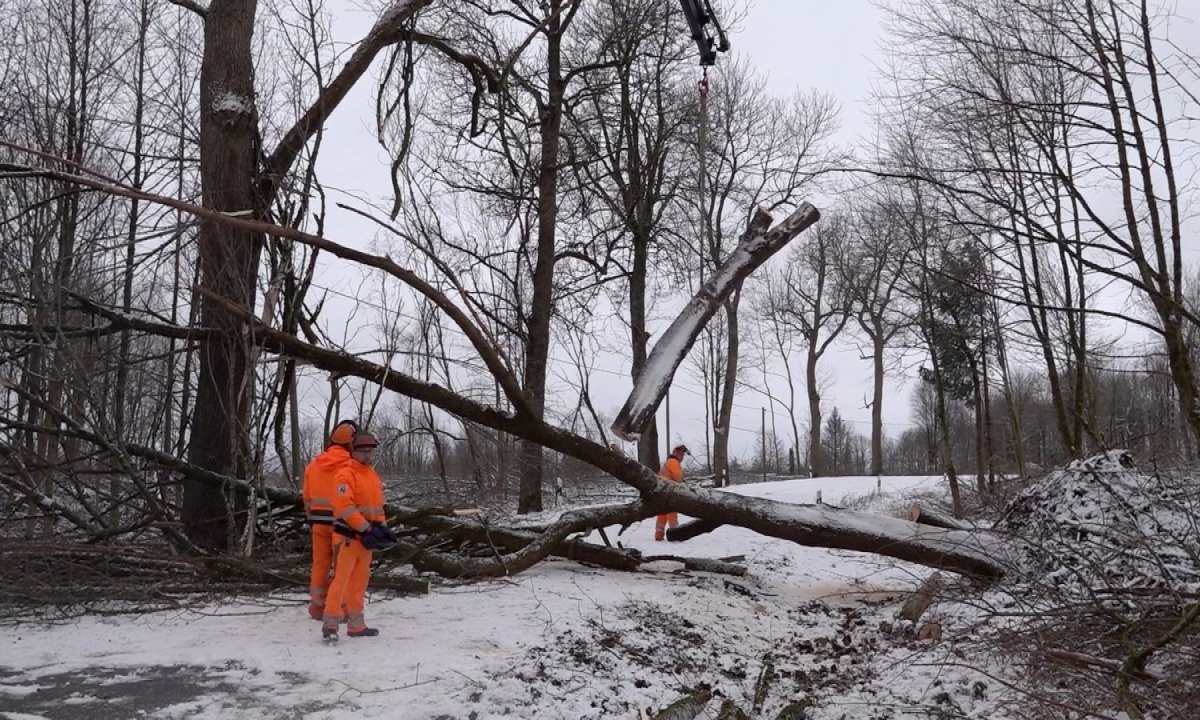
(115,577)
(1100,527)
(1105,598)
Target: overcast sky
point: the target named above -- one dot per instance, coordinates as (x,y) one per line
(797,44)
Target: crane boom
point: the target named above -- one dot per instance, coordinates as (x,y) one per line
(710,40)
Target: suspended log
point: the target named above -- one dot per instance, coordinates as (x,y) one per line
(754,248)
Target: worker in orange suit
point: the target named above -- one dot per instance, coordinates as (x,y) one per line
(672,471)
(318,508)
(359,530)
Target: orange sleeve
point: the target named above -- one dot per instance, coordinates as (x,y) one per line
(345,502)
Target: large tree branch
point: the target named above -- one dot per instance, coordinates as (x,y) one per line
(388,30)
(486,349)
(958,551)
(955,550)
(193,6)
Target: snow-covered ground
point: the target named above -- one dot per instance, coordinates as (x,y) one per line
(559,641)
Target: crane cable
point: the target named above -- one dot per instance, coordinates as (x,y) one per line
(702,150)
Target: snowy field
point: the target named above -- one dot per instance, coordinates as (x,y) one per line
(559,641)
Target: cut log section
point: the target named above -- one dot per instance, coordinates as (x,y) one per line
(925,516)
(920,601)
(754,248)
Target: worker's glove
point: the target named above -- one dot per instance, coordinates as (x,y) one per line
(387,532)
(378,537)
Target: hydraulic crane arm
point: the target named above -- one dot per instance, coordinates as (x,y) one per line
(710,40)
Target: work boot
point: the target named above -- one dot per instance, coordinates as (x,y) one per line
(363,632)
(329,634)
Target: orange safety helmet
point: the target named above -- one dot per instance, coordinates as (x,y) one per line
(343,433)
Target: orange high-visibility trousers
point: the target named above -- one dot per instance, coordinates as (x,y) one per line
(322,569)
(664,520)
(348,590)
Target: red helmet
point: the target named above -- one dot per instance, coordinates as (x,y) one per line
(364,441)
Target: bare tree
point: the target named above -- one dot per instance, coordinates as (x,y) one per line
(1078,118)
(813,303)
(637,112)
(871,269)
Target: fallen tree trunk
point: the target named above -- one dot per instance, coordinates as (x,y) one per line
(702,564)
(925,516)
(1091,661)
(691,529)
(960,551)
(517,550)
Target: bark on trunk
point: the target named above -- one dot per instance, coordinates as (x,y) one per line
(816,461)
(725,410)
(537,349)
(877,405)
(228,263)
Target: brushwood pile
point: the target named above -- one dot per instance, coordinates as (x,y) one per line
(1102,529)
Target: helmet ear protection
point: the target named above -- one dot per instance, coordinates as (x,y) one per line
(343,433)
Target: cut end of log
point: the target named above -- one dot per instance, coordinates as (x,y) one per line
(624,432)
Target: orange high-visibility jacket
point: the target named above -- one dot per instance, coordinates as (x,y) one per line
(357,498)
(672,470)
(319,484)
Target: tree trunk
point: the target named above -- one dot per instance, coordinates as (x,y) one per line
(944,438)
(228,263)
(639,340)
(980,450)
(877,404)
(720,463)
(537,348)
(816,461)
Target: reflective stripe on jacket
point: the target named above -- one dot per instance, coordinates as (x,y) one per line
(357,498)
(319,484)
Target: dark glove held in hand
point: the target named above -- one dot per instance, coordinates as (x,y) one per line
(378,537)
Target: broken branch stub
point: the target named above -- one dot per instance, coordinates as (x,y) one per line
(754,248)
